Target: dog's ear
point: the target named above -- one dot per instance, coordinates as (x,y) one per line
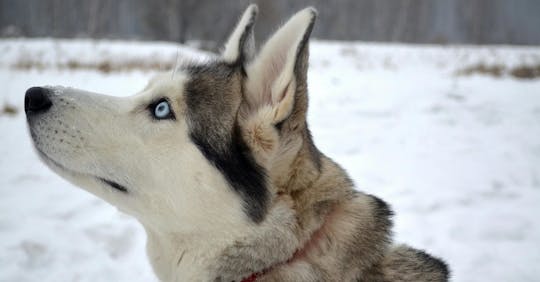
(275,89)
(240,46)
(277,76)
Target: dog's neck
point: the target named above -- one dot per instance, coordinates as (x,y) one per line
(182,257)
(228,254)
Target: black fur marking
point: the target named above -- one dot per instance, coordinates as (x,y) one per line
(303,45)
(114,185)
(213,98)
(240,170)
(434,263)
(279,125)
(314,152)
(382,209)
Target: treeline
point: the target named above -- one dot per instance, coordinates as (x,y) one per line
(419,21)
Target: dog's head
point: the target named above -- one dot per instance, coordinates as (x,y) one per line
(212,143)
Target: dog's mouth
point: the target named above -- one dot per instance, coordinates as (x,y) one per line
(115,185)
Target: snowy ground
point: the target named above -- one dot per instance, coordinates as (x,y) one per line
(458,157)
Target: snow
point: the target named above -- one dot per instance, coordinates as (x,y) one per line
(457,157)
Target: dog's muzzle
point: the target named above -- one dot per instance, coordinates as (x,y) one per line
(36,101)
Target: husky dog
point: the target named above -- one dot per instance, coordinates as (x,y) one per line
(218,164)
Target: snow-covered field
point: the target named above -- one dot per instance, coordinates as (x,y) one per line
(458,157)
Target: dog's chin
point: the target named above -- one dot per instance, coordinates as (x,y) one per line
(76,176)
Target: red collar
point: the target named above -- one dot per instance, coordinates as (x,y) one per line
(251,278)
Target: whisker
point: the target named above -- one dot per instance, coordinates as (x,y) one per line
(176,63)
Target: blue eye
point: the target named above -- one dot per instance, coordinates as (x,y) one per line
(162,110)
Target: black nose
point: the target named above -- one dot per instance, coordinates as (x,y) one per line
(36,100)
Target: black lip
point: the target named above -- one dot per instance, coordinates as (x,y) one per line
(114,185)
(111,183)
